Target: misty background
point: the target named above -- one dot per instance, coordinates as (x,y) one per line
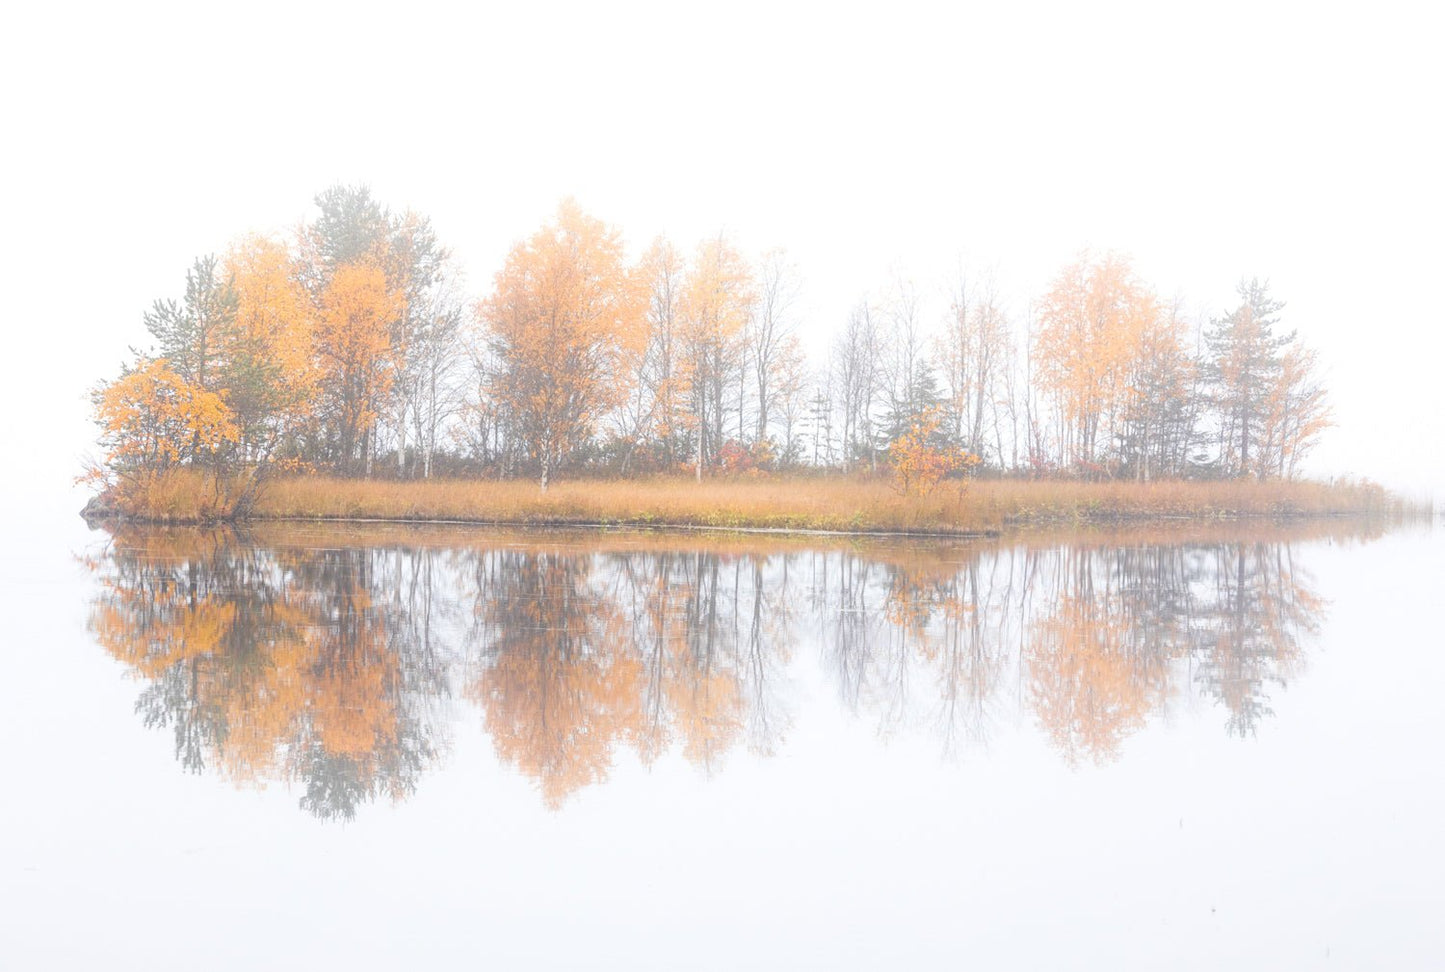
(1208,144)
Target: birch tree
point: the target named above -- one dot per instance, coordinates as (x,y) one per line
(561,318)
(718,299)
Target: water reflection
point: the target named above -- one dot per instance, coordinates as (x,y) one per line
(287,663)
(331,658)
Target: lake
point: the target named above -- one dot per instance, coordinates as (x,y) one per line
(372,746)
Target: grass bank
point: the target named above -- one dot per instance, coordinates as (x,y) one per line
(833,503)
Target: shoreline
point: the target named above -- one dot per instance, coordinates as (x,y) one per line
(823,506)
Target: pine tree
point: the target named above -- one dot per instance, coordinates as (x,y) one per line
(189,334)
(1245,356)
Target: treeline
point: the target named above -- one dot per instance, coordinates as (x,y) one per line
(352,348)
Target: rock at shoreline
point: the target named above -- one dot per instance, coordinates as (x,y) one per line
(99,507)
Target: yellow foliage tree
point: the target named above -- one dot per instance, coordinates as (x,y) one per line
(1092,324)
(564,319)
(356,354)
(718,298)
(1296,411)
(152,418)
(272,374)
(919,462)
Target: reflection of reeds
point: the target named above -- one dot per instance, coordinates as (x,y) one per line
(936,555)
(820,503)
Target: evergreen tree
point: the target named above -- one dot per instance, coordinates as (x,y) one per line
(189,334)
(1244,361)
(352,228)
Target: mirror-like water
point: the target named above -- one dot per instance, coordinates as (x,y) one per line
(1126,748)
(337,660)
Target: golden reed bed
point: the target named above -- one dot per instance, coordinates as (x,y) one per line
(837,503)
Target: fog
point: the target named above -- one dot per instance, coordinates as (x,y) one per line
(1209,144)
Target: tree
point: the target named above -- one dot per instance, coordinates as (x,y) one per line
(429,382)
(270,374)
(152,418)
(418,270)
(189,334)
(1296,413)
(920,459)
(768,330)
(717,303)
(656,408)
(563,314)
(351,228)
(973,353)
(1091,327)
(792,398)
(1161,406)
(1244,365)
(354,229)
(909,386)
(351,341)
(820,419)
(356,356)
(857,373)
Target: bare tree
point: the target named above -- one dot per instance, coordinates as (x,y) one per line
(769,328)
(821,419)
(791,389)
(904,362)
(431,386)
(856,374)
(973,354)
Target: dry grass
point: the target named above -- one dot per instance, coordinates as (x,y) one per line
(835,503)
(170,496)
(811,503)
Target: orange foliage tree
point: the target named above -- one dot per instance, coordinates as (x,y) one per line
(268,351)
(356,355)
(656,407)
(564,319)
(152,418)
(1093,323)
(1297,411)
(920,461)
(345,345)
(718,300)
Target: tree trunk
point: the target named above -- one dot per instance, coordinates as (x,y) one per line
(401,442)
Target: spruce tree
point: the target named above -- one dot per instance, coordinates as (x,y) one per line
(1244,356)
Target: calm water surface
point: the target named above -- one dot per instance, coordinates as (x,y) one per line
(301,747)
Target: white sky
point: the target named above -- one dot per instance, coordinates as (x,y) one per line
(1299,143)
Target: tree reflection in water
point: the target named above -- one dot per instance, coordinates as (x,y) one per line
(328,659)
(307,664)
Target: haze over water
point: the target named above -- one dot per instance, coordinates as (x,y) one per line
(1188,748)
